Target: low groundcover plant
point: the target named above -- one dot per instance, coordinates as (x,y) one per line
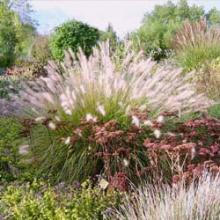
(39,200)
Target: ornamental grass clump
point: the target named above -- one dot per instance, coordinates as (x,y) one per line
(200,201)
(196,43)
(95,86)
(208,79)
(70,111)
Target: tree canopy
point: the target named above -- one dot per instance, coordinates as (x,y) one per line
(15,34)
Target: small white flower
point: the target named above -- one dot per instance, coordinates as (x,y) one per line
(125,162)
(171,134)
(193,152)
(24,149)
(57,118)
(67,141)
(40,119)
(143,107)
(160,119)
(135,121)
(101,109)
(68,111)
(78,132)
(89,117)
(157,133)
(51,125)
(148,123)
(103,184)
(184,141)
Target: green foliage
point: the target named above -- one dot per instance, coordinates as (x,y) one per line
(77,159)
(213,16)
(25,35)
(111,36)
(194,57)
(15,36)
(154,41)
(42,202)
(4,85)
(73,34)
(155,34)
(214,111)
(8,38)
(10,130)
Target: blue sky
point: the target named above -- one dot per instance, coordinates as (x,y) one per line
(124,15)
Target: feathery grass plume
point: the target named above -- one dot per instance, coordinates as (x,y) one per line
(192,33)
(199,201)
(90,85)
(196,43)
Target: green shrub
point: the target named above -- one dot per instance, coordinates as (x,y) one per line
(150,38)
(42,202)
(213,16)
(15,35)
(8,38)
(10,140)
(73,34)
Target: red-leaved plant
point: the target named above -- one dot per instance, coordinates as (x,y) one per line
(191,148)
